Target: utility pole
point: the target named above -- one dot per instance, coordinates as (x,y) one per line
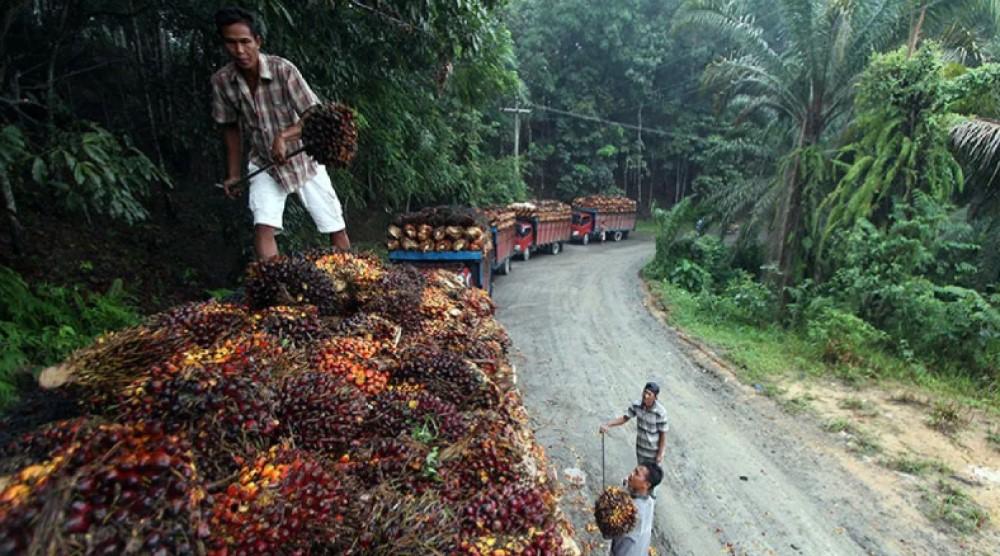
(517,111)
(639,174)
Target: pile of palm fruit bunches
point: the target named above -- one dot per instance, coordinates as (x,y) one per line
(546,210)
(445,228)
(604,203)
(346,407)
(500,218)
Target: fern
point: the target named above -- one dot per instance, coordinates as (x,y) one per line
(42,325)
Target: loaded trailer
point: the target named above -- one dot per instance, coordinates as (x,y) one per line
(592,224)
(533,235)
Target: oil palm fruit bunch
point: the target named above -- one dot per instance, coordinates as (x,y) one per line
(441,228)
(401,411)
(116,359)
(290,281)
(398,296)
(508,509)
(400,460)
(436,304)
(477,461)
(297,326)
(39,445)
(259,347)
(371,327)
(615,512)
(500,217)
(321,412)
(284,502)
(545,210)
(204,323)
(228,410)
(447,375)
(123,488)
(400,521)
(352,359)
(605,203)
(476,302)
(330,134)
(536,542)
(354,275)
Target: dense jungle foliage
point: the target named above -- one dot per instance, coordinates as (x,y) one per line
(840,156)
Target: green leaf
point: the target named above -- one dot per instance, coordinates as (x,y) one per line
(39,171)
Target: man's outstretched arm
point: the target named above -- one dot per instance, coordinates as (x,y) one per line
(614,423)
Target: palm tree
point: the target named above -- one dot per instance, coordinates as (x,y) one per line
(799,69)
(796,63)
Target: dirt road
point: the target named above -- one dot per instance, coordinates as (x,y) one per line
(741,476)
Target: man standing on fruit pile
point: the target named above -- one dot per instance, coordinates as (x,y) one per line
(651,425)
(262,98)
(640,483)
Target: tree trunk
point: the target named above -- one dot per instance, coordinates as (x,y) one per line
(10,208)
(915,30)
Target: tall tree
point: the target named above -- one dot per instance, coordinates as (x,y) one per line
(797,61)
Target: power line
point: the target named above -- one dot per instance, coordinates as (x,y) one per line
(644,129)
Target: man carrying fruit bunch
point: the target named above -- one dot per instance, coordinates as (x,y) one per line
(262,98)
(640,483)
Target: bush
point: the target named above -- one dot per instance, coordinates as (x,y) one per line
(753,302)
(42,325)
(842,336)
(690,276)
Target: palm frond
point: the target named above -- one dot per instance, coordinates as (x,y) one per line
(979,140)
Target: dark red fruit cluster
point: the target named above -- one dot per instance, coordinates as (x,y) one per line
(124,486)
(227,409)
(513,508)
(391,460)
(399,411)
(290,281)
(285,502)
(296,326)
(371,327)
(447,375)
(398,296)
(321,412)
(204,323)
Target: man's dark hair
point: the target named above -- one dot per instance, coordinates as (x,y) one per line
(232,14)
(654,474)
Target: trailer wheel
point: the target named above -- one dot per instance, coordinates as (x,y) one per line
(555,248)
(525,255)
(604,236)
(617,236)
(504,267)
(585,239)
(624,235)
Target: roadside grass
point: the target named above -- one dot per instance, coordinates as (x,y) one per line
(765,354)
(912,465)
(950,506)
(646,226)
(993,438)
(947,417)
(859,440)
(797,405)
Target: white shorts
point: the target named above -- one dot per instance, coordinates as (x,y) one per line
(267,201)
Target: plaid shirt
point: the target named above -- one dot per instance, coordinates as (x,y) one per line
(649,424)
(282,97)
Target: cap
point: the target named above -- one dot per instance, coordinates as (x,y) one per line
(652,387)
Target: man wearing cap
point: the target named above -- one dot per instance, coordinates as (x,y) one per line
(651,425)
